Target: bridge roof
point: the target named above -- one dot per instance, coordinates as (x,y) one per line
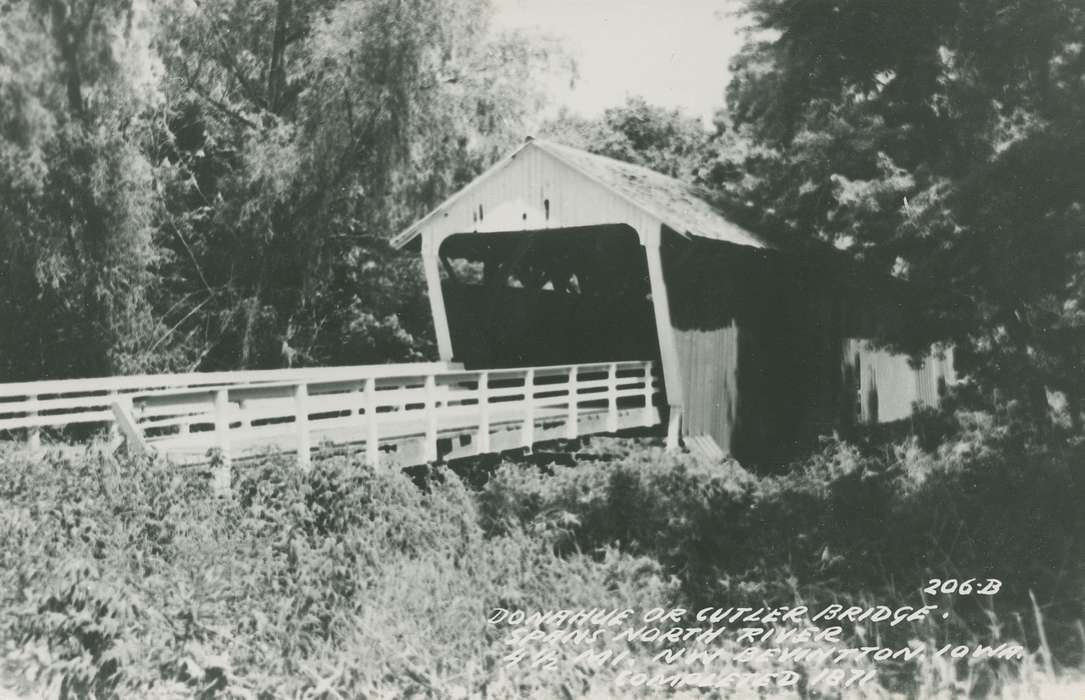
(654,196)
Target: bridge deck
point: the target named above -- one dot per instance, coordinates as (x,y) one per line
(397,414)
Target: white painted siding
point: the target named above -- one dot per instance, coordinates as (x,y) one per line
(514,198)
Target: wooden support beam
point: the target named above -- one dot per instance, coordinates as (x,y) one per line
(527,432)
(301,423)
(114,437)
(668,347)
(483,412)
(612,398)
(450,274)
(33,433)
(430,446)
(572,417)
(648,417)
(222,423)
(221,471)
(501,275)
(127,426)
(431,266)
(372,435)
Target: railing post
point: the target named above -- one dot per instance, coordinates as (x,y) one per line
(483,412)
(114,436)
(33,433)
(572,417)
(301,419)
(648,418)
(612,398)
(221,473)
(430,446)
(527,435)
(372,435)
(125,421)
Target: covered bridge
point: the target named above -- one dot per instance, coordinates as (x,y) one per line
(559,256)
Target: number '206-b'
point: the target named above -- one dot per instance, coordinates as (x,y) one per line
(970,586)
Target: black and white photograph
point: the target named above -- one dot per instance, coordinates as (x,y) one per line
(455,349)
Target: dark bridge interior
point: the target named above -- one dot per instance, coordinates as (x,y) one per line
(560,296)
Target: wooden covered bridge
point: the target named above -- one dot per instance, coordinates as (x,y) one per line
(571,294)
(556,255)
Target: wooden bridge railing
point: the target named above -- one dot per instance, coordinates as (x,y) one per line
(29,407)
(399,414)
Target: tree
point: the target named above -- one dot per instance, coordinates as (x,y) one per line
(937,141)
(77,94)
(303,135)
(665,140)
(211,184)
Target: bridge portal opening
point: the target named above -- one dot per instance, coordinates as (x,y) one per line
(545,297)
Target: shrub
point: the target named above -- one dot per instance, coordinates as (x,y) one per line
(866,525)
(130,578)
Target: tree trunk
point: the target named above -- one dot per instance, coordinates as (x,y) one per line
(69,56)
(276,79)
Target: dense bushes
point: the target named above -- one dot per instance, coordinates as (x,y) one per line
(130,578)
(845,525)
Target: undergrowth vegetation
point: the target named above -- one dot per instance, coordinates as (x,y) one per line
(130,578)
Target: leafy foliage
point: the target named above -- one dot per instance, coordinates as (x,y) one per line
(868,525)
(131,578)
(211,185)
(664,140)
(946,153)
(76,190)
(296,157)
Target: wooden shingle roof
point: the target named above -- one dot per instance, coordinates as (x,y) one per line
(677,204)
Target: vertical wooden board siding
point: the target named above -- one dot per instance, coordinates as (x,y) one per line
(709,368)
(514,199)
(899,385)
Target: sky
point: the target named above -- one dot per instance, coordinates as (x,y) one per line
(674,53)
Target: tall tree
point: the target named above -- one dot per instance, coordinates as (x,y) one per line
(77,95)
(939,141)
(665,140)
(304,132)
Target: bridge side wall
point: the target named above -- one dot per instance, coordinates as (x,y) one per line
(769,351)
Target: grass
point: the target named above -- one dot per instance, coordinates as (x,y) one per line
(128,578)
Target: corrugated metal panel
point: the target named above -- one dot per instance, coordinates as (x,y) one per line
(709,360)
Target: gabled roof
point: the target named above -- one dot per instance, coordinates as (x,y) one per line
(674,203)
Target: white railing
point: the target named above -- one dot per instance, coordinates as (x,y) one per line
(400,414)
(31,406)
